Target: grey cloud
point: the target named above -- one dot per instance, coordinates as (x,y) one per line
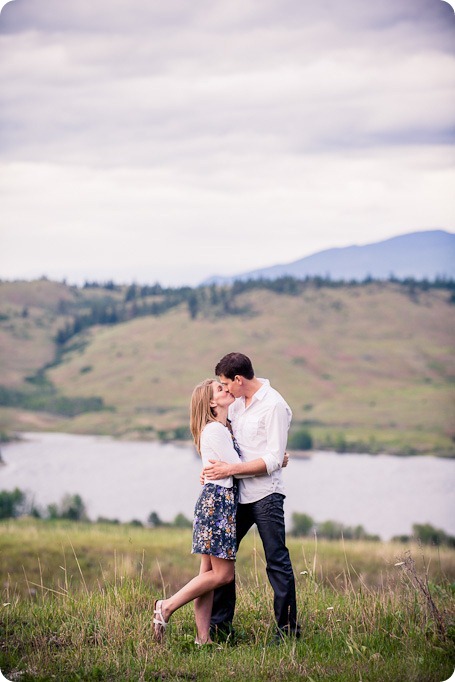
(155,120)
(225,18)
(85,16)
(309,114)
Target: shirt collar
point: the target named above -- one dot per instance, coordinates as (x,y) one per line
(261,392)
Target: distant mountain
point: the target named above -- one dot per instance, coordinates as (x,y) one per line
(421,255)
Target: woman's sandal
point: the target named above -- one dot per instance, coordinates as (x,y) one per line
(159,624)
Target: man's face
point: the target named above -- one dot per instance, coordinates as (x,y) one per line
(233,386)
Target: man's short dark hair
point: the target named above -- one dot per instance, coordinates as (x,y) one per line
(235,363)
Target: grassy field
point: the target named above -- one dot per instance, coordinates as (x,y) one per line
(371,365)
(77,598)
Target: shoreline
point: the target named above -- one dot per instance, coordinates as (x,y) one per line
(18,436)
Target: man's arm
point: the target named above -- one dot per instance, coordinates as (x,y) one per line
(277,426)
(216,470)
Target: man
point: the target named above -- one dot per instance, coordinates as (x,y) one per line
(260,420)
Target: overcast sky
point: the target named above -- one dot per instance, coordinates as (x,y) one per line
(170,140)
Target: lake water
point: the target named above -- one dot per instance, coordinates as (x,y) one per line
(126,480)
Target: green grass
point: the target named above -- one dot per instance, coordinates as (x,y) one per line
(77,602)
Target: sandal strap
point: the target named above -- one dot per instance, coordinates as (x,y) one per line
(159,618)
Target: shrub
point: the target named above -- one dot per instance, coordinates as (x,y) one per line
(331,530)
(302,524)
(181,521)
(300,440)
(48,400)
(428,535)
(179,433)
(154,520)
(105,519)
(71,507)
(11,503)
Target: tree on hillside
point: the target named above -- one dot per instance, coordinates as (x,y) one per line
(193,305)
(131,293)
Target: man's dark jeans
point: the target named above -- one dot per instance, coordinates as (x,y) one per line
(268,515)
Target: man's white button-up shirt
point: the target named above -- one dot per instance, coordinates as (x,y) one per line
(261,430)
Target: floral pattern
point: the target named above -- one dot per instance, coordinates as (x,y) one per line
(214,519)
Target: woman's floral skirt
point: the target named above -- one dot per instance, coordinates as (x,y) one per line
(214,521)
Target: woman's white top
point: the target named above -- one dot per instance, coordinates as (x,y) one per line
(216,443)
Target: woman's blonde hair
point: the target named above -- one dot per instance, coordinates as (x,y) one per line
(201,413)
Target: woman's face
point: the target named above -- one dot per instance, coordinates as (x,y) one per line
(221,397)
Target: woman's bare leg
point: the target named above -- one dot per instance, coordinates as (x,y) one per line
(203,606)
(220,573)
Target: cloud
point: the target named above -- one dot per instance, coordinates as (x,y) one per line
(202,95)
(197,119)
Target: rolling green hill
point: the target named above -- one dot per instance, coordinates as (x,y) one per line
(368,367)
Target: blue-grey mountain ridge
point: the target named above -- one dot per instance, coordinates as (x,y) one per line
(422,255)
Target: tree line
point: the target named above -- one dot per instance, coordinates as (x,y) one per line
(16,503)
(303,525)
(212,299)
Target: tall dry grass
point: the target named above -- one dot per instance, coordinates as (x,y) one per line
(77,606)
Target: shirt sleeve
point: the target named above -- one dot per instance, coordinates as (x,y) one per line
(277,425)
(218,439)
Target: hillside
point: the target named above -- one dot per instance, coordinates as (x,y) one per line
(421,255)
(367,367)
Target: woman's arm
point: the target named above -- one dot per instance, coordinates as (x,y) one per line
(216,444)
(229,463)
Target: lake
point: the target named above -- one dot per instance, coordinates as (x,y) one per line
(128,480)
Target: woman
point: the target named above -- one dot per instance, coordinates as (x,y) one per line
(214,534)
